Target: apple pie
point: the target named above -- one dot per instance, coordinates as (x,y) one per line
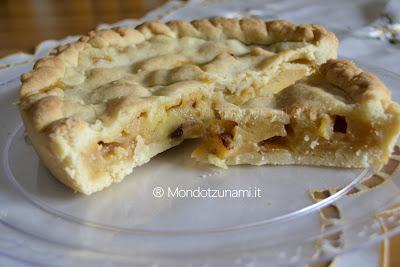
(258,92)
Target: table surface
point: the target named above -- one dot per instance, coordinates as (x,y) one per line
(26,23)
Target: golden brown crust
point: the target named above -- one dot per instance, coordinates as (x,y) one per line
(45,111)
(361,86)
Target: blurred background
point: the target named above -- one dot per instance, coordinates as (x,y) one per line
(25,23)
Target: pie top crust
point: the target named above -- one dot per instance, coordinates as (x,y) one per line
(361,86)
(63,68)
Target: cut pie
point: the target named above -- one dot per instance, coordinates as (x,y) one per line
(338,116)
(109,102)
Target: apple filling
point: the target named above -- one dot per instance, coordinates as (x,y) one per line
(159,127)
(228,142)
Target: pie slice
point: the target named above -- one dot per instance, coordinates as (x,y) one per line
(339,116)
(109,102)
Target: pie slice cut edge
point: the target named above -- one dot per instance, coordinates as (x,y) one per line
(340,116)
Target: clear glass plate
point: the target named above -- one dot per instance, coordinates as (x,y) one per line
(42,221)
